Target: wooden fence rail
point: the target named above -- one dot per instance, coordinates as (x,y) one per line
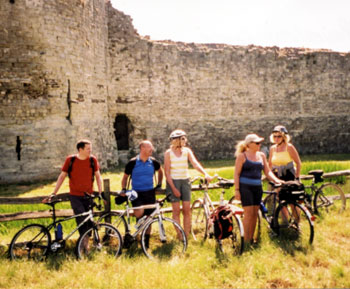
(107,193)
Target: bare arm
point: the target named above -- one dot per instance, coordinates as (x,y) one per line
(272,150)
(167,174)
(198,166)
(59,182)
(98,181)
(238,170)
(124,181)
(295,156)
(268,173)
(160,176)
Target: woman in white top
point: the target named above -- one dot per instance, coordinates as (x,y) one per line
(177,176)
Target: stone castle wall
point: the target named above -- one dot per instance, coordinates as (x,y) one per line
(220,93)
(53,85)
(69,68)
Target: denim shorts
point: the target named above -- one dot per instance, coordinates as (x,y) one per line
(184,186)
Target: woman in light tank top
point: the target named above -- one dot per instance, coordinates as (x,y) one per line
(284,159)
(177,176)
(248,185)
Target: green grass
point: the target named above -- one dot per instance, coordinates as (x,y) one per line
(270,265)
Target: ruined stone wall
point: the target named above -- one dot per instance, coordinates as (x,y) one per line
(68,68)
(53,85)
(220,93)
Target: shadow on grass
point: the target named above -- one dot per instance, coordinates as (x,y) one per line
(134,250)
(290,247)
(14,190)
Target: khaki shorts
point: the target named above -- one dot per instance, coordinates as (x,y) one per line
(184,186)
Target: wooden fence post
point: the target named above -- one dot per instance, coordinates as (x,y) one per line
(107,193)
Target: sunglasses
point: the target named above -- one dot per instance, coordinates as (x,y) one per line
(277,136)
(257,143)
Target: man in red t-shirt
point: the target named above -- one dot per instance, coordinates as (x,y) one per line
(80,180)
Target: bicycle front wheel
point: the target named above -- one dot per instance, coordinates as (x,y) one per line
(163,239)
(100,239)
(294,225)
(234,243)
(199,226)
(329,197)
(30,243)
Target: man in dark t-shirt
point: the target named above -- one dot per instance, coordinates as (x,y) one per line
(141,170)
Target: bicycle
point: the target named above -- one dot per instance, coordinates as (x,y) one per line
(34,241)
(286,216)
(322,199)
(202,210)
(167,238)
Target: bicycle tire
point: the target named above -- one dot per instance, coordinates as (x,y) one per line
(294,225)
(257,231)
(268,203)
(102,238)
(235,241)
(173,245)
(117,220)
(329,197)
(31,242)
(199,223)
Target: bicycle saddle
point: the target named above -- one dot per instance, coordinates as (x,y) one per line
(226,184)
(317,175)
(52,203)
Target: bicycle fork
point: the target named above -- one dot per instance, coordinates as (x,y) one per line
(162,235)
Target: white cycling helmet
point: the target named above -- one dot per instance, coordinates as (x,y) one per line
(177,133)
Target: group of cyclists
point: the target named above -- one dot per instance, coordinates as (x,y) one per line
(143,171)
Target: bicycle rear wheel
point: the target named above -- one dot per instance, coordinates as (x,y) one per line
(293,225)
(100,239)
(235,242)
(166,240)
(199,226)
(30,243)
(329,197)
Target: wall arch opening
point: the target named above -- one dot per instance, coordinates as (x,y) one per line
(122,130)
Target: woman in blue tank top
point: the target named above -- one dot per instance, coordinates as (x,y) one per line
(248,186)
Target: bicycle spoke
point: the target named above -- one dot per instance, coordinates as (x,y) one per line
(199,221)
(103,239)
(164,242)
(329,197)
(32,242)
(294,225)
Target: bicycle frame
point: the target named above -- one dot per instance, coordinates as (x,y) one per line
(89,217)
(88,214)
(156,213)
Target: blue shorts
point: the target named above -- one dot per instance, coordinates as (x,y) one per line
(184,186)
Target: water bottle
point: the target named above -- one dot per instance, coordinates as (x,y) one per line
(222,200)
(59,232)
(263,208)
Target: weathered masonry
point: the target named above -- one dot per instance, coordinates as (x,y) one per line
(73,69)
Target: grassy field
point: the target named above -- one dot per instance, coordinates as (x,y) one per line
(271,264)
